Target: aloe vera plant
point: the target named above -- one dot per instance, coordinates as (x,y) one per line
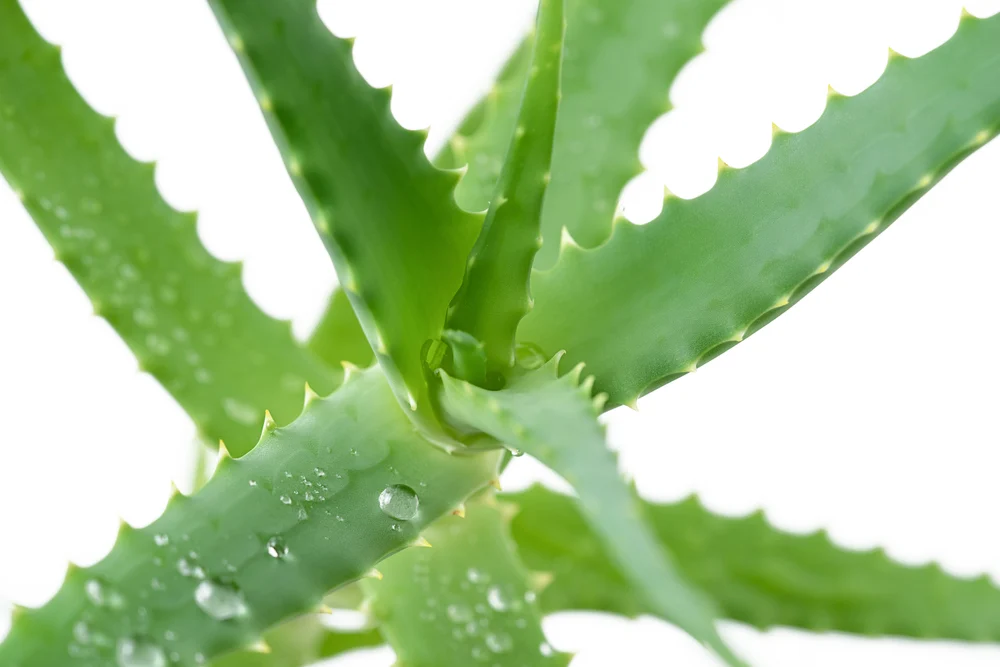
(461,339)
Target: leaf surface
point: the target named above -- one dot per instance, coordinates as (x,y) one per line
(262,542)
(183,313)
(620,60)
(656,300)
(555,420)
(494,295)
(465,600)
(755,573)
(385,214)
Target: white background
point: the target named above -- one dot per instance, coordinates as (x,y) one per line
(870,408)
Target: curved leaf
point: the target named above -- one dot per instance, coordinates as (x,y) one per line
(386,215)
(261,542)
(494,295)
(710,271)
(756,573)
(183,313)
(555,420)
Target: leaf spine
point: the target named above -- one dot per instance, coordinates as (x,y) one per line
(310,396)
(269,423)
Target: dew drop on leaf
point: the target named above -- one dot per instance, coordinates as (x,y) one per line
(498,601)
(477,576)
(459,613)
(276,547)
(499,642)
(219,601)
(399,501)
(136,653)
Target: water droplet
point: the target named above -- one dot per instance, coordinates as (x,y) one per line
(276,547)
(498,601)
(459,613)
(253,482)
(499,642)
(546,649)
(135,653)
(61,213)
(81,632)
(477,576)
(285,500)
(190,569)
(202,376)
(399,501)
(144,318)
(95,592)
(219,601)
(319,472)
(161,540)
(530,596)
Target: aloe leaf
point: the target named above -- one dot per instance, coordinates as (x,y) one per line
(555,419)
(182,312)
(620,59)
(386,215)
(338,337)
(494,294)
(465,600)
(261,542)
(756,573)
(710,271)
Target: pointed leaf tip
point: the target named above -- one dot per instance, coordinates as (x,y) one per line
(269,423)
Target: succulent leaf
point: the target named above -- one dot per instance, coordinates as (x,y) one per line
(494,295)
(183,313)
(710,271)
(386,215)
(620,59)
(756,573)
(465,600)
(555,420)
(261,542)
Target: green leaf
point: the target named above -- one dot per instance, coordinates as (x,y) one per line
(338,337)
(261,542)
(555,420)
(756,573)
(494,295)
(463,601)
(183,313)
(620,59)
(386,215)
(710,271)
